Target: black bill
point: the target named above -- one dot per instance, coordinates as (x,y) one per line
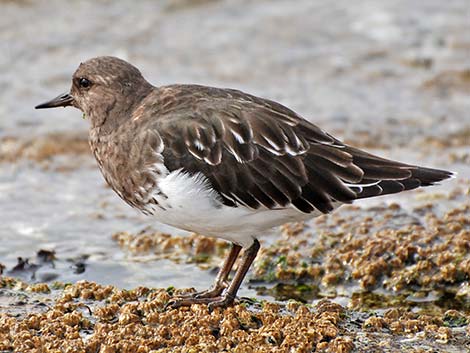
(64,100)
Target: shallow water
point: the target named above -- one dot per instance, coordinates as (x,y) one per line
(379,74)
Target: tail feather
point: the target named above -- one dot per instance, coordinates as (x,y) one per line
(390,176)
(341,173)
(428,176)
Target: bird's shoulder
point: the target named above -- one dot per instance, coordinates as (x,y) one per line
(167,101)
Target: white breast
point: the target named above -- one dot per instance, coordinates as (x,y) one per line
(189,203)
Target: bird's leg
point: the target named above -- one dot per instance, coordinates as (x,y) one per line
(230,293)
(220,282)
(228,296)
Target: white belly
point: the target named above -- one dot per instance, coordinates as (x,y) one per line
(191,205)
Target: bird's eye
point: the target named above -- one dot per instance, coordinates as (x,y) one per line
(84,82)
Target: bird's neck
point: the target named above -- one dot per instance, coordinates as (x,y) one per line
(107,118)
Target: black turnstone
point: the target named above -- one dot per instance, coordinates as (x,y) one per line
(221,162)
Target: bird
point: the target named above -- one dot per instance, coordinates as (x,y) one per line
(221,162)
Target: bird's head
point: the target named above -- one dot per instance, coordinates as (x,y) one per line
(101,87)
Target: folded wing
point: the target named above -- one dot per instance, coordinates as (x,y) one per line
(258,153)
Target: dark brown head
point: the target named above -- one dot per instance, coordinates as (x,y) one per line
(101,87)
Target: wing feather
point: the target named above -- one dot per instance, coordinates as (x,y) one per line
(258,153)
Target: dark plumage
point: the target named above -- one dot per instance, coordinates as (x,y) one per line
(220,161)
(259,153)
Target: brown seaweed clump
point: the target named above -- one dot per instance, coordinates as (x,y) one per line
(204,251)
(383,247)
(42,148)
(86,317)
(58,151)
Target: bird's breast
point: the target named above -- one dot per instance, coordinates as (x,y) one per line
(131,168)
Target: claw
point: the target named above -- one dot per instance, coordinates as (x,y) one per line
(226,300)
(209,293)
(179,302)
(170,305)
(212,303)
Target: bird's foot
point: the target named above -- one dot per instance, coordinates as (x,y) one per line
(224,301)
(212,302)
(213,292)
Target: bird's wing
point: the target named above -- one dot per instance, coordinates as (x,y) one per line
(253,151)
(256,152)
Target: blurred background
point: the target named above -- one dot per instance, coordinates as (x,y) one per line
(389,76)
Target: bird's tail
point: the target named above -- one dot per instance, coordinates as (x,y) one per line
(383,176)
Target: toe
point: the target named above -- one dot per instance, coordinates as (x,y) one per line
(226,301)
(179,302)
